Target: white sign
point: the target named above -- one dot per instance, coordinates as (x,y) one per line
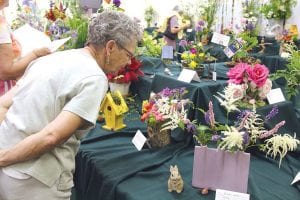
(275,96)
(214,76)
(31,38)
(220,39)
(167,52)
(187,75)
(296,179)
(229,195)
(139,140)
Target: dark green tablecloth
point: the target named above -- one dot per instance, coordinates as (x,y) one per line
(109,167)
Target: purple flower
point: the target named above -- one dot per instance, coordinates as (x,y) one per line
(272,113)
(249,26)
(201,23)
(198,28)
(26,2)
(246,138)
(191,128)
(117,3)
(285,32)
(183,43)
(215,138)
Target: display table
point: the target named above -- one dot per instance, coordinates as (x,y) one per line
(108,167)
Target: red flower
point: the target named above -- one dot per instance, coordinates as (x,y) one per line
(128,73)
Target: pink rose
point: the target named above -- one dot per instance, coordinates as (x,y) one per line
(265,89)
(236,74)
(258,74)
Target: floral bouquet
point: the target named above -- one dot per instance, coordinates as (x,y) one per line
(128,73)
(163,112)
(194,55)
(248,84)
(247,131)
(150,46)
(278,9)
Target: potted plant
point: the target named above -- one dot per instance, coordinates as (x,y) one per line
(163,112)
(292,73)
(122,79)
(194,56)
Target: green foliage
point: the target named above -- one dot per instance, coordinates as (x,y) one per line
(249,42)
(278,9)
(209,14)
(79,23)
(291,74)
(149,15)
(150,46)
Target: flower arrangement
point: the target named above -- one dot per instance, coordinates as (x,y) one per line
(292,73)
(194,55)
(167,108)
(150,46)
(278,9)
(248,84)
(29,13)
(128,73)
(149,15)
(247,131)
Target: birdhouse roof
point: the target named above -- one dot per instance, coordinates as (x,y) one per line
(116,101)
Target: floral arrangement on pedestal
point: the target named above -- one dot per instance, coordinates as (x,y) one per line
(194,56)
(165,111)
(149,15)
(248,84)
(278,9)
(247,131)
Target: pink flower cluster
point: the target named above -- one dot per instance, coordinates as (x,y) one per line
(253,78)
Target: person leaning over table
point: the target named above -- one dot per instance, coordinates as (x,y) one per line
(54,104)
(11,65)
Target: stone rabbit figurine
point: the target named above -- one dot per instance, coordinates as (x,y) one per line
(175,182)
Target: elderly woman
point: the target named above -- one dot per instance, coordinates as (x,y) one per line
(54,104)
(11,66)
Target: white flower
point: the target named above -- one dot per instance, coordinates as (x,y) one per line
(280,145)
(233,138)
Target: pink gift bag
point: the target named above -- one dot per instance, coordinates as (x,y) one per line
(218,169)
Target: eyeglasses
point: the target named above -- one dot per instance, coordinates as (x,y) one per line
(128,53)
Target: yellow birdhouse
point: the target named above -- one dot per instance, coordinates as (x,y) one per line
(113,107)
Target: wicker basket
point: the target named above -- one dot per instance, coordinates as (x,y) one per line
(158,138)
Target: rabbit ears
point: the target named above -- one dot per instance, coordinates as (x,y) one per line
(173,168)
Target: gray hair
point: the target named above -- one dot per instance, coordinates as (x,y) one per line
(113,25)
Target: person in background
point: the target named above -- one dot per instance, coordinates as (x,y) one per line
(11,65)
(54,104)
(174,27)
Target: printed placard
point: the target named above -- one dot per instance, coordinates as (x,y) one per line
(214,76)
(167,52)
(275,96)
(226,195)
(139,140)
(232,48)
(187,75)
(220,39)
(296,179)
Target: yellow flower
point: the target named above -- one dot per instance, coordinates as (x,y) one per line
(192,56)
(193,64)
(201,55)
(184,55)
